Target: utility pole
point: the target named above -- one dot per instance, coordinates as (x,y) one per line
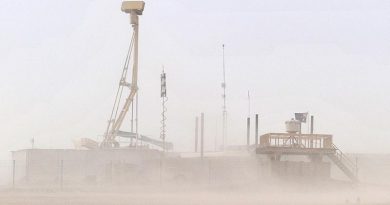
(224,110)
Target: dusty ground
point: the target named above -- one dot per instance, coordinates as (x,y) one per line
(164,195)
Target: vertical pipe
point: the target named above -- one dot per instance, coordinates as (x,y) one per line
(13,173)
(312,124)
(134,80)
(196,133)
(257,130)
(311,131)
(201,134)
(136,119)
(135,59)
(248,128)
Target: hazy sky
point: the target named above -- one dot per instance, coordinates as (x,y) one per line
(61,61)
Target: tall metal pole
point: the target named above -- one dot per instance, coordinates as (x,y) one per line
(132,122)
(249,104)
(201,135)
(224,111)
(13,173)
(135,71)
(248,128)
(196,133)
(248,122)
(311,124)
(136,119)
(216,134)
(257,130)
(135,24)
(62,175)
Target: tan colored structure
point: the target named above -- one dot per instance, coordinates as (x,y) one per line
(314,146)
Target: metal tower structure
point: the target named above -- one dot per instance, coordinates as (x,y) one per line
(224,110)
(164,99)
(134,8)
(121,109)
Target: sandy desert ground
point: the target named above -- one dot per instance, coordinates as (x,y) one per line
(334,193)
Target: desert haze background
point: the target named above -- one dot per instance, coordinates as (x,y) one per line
(61,61)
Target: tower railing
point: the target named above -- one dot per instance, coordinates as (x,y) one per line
(295,140)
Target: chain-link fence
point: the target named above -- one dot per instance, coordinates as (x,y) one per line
(66,174)
(58,173)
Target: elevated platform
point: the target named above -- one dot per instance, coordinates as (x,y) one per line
(315,146)
(295,144)
(294,151)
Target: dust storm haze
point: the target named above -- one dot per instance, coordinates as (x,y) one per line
(194,102)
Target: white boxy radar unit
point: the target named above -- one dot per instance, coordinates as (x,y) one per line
(137,6)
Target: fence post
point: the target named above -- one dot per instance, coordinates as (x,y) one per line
(160,169)
(62,174)
(209,171)
(201,135)
(13,173)
(356,164)
(111,172)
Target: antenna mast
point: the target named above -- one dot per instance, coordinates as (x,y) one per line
(164,99)
(224,111)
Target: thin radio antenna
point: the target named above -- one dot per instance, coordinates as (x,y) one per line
(224,110)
